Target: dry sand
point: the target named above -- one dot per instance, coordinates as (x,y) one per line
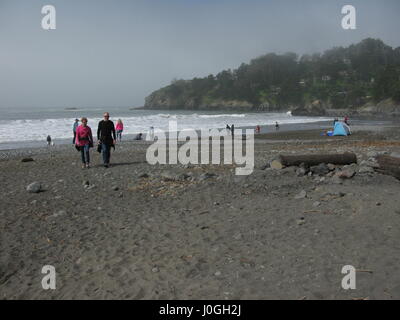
(112,234)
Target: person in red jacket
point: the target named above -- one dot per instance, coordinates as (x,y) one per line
(84,141)
(119,128)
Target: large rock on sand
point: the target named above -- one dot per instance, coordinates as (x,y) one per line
(34,187)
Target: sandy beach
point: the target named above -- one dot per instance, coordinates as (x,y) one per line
(138,231)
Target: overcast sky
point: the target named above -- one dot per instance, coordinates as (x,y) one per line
(116,52)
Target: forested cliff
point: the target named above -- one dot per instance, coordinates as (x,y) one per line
(363,77)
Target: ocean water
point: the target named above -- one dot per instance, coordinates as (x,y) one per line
(27,127)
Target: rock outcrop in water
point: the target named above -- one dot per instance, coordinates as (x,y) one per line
(160,100)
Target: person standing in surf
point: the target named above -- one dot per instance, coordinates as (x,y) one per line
(84,141)
(150,134)
(74,127)
(106,137)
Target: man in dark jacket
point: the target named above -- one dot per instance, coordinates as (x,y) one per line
(107,138)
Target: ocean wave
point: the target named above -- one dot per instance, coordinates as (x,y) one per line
(38,129)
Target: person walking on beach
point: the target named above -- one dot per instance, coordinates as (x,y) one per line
(119,127)
(346,120)
(276,126)
(84,141)
(48,139)
(106,137)
(258,129)
(75,125)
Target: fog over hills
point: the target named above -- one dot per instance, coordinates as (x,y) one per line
(108,53)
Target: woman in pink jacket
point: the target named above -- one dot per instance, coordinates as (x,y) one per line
(84,141)
(119,128)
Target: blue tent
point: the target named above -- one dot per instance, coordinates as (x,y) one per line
(341,129)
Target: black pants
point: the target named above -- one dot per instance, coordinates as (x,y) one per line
(73,140)
(106,152)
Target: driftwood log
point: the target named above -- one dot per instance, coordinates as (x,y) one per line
(389,165)
(313,160)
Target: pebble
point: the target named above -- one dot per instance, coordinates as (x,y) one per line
(207,175)
(301,195)
(346,173)
(182,176)
(265,166)
(301,221)
(301,172)
(316,204)
(237,236)
(59,213)
(331,166)
(276,165)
